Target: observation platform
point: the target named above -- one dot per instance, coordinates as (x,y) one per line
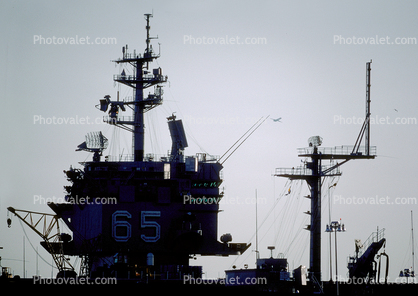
(137,57)
(302,172)
(147,80)
(338,152)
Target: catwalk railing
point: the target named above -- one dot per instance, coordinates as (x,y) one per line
(338,150)
(304,171)
(373,238)
(201,157)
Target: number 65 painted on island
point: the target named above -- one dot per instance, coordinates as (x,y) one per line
(144,224)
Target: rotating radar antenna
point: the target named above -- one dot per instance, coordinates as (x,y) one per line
(95,143)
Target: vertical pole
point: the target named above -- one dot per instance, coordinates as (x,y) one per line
(148,40)
(336,262)
(413,244)
(330,257)
(147,27)
(256,227)
(37,255)
(315,248)
(330,238)
(139,130)
(367,138)
(138,135)
(24,259)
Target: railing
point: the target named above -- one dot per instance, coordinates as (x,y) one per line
(340,150)
(298,171)
(118,119)
(145,78)
(203,157)
(373,238)
(158,157)
(130,56)
(134,56)
(304,171)
(130,157)
(123,157)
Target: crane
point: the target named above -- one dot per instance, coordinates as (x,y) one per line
(47,227)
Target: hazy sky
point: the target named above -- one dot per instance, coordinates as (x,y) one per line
(303,61)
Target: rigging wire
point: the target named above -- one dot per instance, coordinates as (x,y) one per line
(290,234)
(290,200)
(244,139)
(262,223)
(26,235)
(240,138)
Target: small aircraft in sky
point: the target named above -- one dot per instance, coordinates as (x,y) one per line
(276,120)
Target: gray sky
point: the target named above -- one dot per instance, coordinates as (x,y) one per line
(307,65)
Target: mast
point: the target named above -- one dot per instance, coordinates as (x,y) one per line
(313,171)
(257,256)
(315,233)
(141,79)
(413,245)
(367,137)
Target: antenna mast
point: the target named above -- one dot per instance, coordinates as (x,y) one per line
(257,256)
(367,139)
(140,80)
(413,244)
(313,171)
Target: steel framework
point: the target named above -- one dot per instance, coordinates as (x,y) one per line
(47,227)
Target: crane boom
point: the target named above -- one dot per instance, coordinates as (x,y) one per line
(47,227)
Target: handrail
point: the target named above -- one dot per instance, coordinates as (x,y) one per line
(145,78)
(374,237)
(115,120)
(159,157)
(304,171)
(341,150)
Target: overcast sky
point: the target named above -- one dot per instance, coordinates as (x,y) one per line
(229,63)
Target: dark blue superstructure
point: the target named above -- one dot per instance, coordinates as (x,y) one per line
(140,215)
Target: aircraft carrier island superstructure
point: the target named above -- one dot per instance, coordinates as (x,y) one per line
(148,229)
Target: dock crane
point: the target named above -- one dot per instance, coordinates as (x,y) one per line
(47,227)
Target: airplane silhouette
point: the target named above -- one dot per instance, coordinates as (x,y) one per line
(276,120)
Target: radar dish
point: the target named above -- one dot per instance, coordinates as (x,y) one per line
(95,142)
(315,141)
